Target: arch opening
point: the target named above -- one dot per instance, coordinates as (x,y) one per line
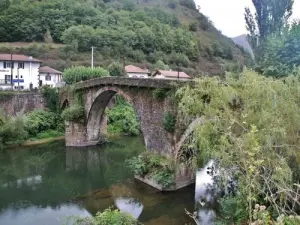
(97,117)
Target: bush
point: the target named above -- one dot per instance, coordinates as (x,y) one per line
(81,73)
(39,121)
(51,96)
(116,70)
(108,217)
(169,122)
(122,118)
(74,113)
(12,130)
(153,166)
(160,93)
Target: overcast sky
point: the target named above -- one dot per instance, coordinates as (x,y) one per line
(228,15)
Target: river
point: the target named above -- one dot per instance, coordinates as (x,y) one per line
(46,184)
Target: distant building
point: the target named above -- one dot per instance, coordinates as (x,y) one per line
(49,76)
(21,72)
(136,72)
(18,72)
(169,74)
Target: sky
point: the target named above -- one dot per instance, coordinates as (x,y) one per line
(228,15)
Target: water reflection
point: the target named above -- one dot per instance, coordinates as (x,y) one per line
(45,184)
(204,196)
(130,206)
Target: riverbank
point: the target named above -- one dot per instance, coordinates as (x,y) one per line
(29,142)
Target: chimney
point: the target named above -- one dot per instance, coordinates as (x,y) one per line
(30,58)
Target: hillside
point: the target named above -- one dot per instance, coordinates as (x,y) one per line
(242,40)
(146,32)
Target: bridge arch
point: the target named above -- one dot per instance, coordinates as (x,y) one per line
(96,110)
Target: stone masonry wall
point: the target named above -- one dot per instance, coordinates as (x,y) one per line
(19,104)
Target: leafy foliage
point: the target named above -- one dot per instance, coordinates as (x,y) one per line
(116,70)
(74,113)
(160,93)
(169,122)
(12,130)
(143,32)
(153,166)
(40,121)
(51,96)
(81,73)
(108,217)
(122,118)
(251,130)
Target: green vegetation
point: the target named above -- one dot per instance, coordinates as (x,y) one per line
(145,32)
(122,118)
(251,129)
(153,166)
(160,93)
(40,121)
(74,113)
(169,122)
(51,96)
(38,124)
(81,73)
(108,217)
(275,41)
(116,70)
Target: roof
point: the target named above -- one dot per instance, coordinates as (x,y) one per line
(47,69)
(135,69)
(170,73)
(19,58)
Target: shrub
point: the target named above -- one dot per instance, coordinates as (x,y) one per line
(81,73)
(39,121)
(74,113)
(51,96)
(169,122)
(108,217)
(116,69)
(12,130)
(160,93)
(122,118)
(153,166)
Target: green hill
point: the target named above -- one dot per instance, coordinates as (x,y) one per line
(146,32)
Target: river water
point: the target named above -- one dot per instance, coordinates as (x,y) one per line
(46,184)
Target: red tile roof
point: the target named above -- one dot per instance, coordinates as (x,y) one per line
(170,73)
(134,69)
(47,69)
(19,58)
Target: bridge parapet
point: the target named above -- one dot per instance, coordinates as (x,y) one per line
(132,82)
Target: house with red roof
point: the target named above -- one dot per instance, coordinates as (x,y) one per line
(169,74)
(21,72)
(136,72)
(50,77)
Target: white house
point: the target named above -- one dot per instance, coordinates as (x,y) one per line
(18,72)
(136,72)
(169,74)
(49,76)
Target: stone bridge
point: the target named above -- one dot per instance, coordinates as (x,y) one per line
(97,93)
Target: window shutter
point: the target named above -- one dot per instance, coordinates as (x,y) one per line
(4,65)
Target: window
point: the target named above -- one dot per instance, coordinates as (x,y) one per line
(21,76)
(21,65)
(8,65)
(16,76)
(7,79)
(48,77)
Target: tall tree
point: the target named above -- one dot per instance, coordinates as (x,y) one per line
(270,17)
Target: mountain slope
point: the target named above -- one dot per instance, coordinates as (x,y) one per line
(143,31)
(242,40)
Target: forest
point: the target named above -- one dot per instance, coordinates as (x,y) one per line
(143,31)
